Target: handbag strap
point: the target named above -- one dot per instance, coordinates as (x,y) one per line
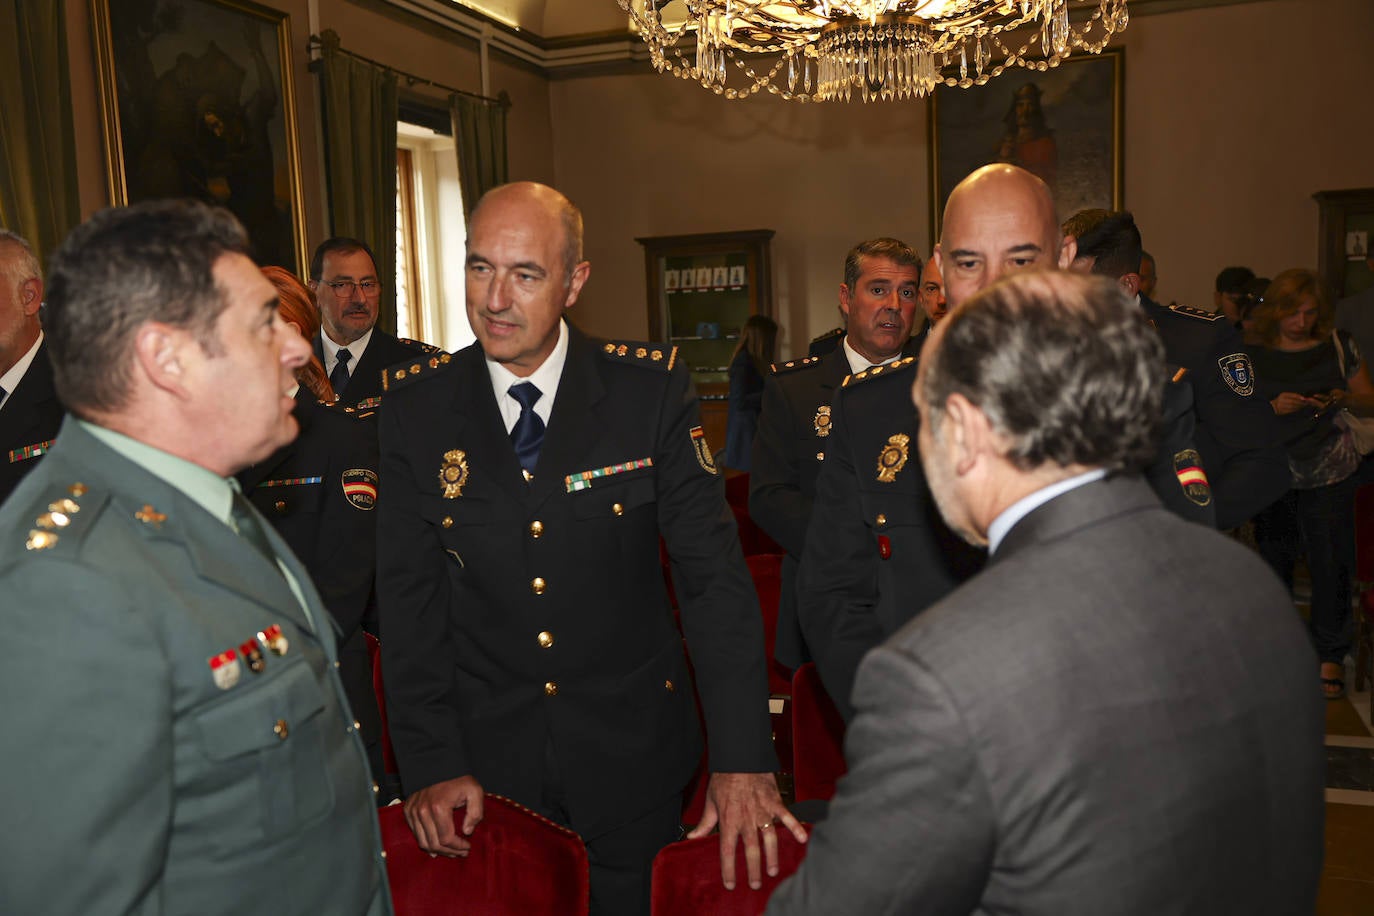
(1340,352)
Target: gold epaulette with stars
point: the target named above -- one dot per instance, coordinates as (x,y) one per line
(59,519)
(891,368)
(355,412)
(640,353)
(792,365)
(423,347)
(400,375)
(1201,314)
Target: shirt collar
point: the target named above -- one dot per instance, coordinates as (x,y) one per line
(11,379)
(858,362)
(207,489)
(1028,504)
(545,378)
(331,350)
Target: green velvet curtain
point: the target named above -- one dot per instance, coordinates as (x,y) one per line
(360,108)
(479,132)
(38,190)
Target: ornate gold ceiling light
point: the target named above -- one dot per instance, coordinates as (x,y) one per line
(819,50)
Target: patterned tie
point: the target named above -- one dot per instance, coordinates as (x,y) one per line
(248,527)
(338,379)
(527,435)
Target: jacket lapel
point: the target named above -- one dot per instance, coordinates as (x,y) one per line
(478,428)
(164,514)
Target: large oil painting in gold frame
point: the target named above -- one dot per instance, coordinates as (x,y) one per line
(197,101)
(1065,124)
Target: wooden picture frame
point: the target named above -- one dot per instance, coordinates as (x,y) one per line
(197,100)
(1065,124)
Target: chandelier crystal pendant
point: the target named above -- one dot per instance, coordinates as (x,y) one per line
(822,50)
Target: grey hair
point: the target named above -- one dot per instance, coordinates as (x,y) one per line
(1063,366)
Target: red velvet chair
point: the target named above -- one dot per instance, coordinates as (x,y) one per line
(737,490)
(520,863)
(374,651)
(1364,586)
(817,737)
(686,879)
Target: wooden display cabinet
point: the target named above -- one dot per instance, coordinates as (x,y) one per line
(700,291)
(1345,225)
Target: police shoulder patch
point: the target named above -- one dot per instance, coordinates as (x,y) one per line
(886,370)
(640,353)
(1200,314)
(1238,374)
(360,488)
(792,365)
(402,374)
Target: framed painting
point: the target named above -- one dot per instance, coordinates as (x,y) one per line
(197,101)
(1064,124)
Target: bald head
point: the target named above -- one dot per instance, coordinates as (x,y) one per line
(543,204)
(998,220)
(21,294)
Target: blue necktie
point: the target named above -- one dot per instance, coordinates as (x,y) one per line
(338,379)
(527,435)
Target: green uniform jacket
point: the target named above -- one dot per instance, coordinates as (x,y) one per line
(151,773)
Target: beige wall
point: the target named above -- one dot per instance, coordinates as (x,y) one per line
(1234,116)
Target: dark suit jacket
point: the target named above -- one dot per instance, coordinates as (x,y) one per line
(28,422)
(788,453)
(877,551)
(519,618)
(318,492)
(364,389)
(1117,716)
(176,794)
(1237,433)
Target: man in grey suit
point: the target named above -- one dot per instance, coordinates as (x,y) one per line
(177,737)
(1114,716)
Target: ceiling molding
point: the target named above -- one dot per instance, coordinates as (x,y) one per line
(612,53)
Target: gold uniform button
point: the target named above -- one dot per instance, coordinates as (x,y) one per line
(281,730)
(280,506)
(551,688)
(820,456)
(881,520)
(536,528)
(668,686)
(383,853)
(538,585)
(357,725)
(546,639)
(447,521)
(618,509)
(376,788)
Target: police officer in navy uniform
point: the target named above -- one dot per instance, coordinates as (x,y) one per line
(343,276)
(30,412)
(878,298)
(1236,435)
(175,720)
(527,638)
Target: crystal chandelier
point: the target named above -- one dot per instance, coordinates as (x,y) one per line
(820,50)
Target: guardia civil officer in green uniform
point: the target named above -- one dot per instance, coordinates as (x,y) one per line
(177,737)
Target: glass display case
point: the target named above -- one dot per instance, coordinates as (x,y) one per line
(701,290)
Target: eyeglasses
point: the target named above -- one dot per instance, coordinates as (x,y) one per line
(343,289)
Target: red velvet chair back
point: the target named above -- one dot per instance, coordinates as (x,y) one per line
(520,863)
(1364,534)
(374,651)
(686,879)
(737,490)
(817,737)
